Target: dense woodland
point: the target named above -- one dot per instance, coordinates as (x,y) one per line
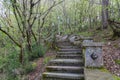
(28,28)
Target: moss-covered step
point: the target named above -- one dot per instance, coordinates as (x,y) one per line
(65,69)
(62,76)
(69,56)
(70,50)
(66,62)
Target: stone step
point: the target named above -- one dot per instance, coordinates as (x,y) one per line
(68,53)
(62,76)
(66,62)
(70,50)
(72,56)
(68,47)
(64,44)
(65,69)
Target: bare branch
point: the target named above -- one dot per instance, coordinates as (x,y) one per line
(10,37)
(37,2)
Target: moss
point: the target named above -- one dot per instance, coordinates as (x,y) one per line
(116,46)
(104,70)
(29,67)
(87,34)
(116,78)
(47,59)
(117,62)
(100,68)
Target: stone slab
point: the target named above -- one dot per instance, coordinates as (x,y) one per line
(96,74)
(86,38)
(93,44)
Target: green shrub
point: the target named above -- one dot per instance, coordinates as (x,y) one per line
(29,67)
(37,51)
(3,61)
(12,63)
(47,59)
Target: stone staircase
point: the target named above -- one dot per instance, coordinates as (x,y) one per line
(68,64)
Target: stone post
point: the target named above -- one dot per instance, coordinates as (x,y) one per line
(93,54)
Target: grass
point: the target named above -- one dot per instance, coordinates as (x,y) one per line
(116,78)
(105,70)
(87,34)
(47,59)
(99,68)
(117,61)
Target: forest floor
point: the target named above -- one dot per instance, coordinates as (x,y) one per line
(111,53)
(41,62)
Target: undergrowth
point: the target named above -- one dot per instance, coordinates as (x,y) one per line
(13,69)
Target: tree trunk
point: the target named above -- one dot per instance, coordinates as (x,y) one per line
(21,55)
(105,14)
(115,27)
(29,40)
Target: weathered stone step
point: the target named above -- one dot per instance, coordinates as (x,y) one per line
(64,44)
(68,53)
(66,62)
(72,56)
(69,47)
(65,69)
(62,76)
(70,50)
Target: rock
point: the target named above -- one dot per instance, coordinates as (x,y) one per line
(77,42)
(75,39)
(18,71)
(72,39)
(109,43)
(61,38)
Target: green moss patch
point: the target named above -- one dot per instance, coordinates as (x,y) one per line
(117,62)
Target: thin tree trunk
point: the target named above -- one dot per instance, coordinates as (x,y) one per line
(105,17)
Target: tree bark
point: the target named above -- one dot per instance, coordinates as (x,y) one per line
(105,14)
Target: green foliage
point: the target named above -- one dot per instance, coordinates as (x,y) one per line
(71,16)
(116,78)
(37,51)
(47,59)
(12,58)
(117,61)
(29,67)
(87,34)
(3,61)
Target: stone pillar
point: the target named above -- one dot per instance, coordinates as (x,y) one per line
(93,54)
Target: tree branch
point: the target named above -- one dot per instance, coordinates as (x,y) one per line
(37,2)
(10,37)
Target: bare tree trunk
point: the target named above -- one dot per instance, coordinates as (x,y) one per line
(21,55)
(118,5)
(105,4)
